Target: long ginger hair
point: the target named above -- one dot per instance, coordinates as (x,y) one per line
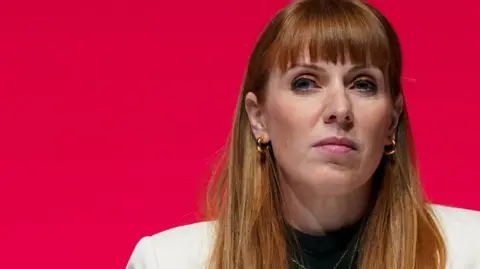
(244,196)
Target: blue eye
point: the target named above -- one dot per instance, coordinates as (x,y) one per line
(303,84)
(365,84)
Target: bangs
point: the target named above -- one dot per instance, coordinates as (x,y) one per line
(331,31)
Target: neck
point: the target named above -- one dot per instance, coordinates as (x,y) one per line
(316,213)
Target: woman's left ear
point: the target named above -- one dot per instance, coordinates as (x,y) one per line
(395,118)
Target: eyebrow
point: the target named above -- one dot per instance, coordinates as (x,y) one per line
(321,69)
(306,65)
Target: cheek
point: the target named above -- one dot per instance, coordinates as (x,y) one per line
(287,125)
(374,124)
(281,122)
(288,129)
(372,129)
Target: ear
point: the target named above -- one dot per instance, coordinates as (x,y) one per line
(256,116)
(395,116)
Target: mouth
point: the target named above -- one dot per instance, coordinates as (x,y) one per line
(336,145)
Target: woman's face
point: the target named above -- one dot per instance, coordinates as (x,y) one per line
(328,123)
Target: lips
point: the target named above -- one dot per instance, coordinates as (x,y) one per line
(337,144)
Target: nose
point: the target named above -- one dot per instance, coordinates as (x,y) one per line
(338,109)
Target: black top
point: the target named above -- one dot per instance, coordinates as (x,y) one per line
(326,251)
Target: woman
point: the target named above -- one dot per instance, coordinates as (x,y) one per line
(320,170)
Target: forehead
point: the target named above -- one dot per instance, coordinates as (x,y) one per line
(287,57)
(305,59)
(344,64)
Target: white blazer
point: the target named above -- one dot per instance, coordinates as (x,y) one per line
(187,247)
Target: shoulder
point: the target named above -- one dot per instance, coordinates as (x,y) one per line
(458,223)
(184,247)
(187,247)
(461,232)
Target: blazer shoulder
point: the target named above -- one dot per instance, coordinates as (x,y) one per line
(461,233)
(180,247)
(457,219)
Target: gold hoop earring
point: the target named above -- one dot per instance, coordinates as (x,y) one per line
(261,146)
(392,150)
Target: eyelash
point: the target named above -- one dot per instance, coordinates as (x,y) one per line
(361,78)
(306,78)
(369,81)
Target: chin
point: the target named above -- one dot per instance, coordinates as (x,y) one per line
(335,181)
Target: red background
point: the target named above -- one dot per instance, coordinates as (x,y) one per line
(110,112)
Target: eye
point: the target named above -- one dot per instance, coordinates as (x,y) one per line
(303,84)
(364,83)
